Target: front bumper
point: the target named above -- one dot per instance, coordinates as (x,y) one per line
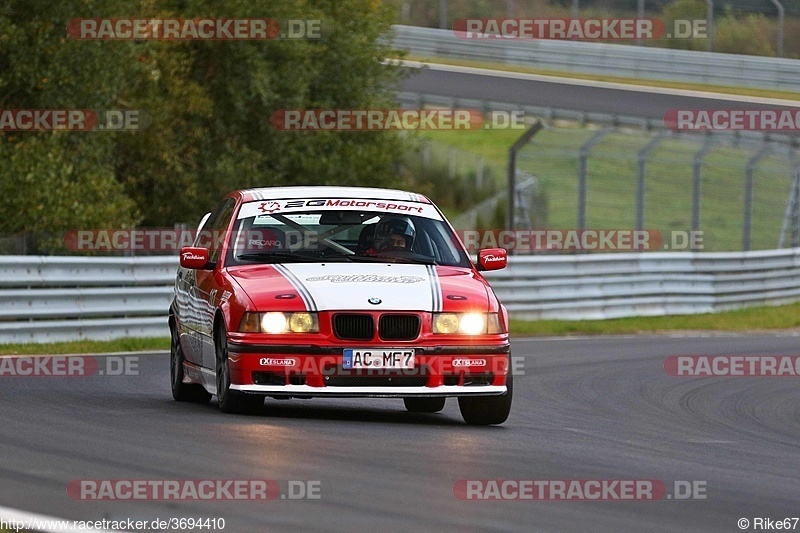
(305,391)
(308,371)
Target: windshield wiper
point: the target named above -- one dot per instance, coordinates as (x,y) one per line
(276,257)
(373,258)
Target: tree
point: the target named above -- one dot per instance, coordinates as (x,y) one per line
(208,105)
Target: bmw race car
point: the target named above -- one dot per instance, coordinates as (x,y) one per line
(312,292)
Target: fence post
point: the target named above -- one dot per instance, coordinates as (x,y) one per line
(748,194)
(697,167)
(790,215)
(640,16)
(443,14)
(781,23)
(479,172)
(583,171)
(512,170)
(796,209)
(710,25)
(642,156)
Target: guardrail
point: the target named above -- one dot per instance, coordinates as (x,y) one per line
(48,299)
(646,284)
(626,61)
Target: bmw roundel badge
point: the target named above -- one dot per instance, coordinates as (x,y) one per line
(374,301)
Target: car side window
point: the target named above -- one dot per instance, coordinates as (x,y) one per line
(203,238)
(213,232)
(219,226)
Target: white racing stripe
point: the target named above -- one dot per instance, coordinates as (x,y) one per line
(349,286)
(305,295)
(436,289)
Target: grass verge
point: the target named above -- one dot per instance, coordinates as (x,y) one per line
(751,319)
(119,345)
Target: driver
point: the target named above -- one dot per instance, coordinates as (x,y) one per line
(396,233)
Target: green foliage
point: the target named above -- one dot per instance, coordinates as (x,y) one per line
(209,105)
(746,35)
(684,10)
(453,192)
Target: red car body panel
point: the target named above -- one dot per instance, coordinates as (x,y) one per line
(305,364)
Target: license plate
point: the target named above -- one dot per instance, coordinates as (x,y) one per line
(401,358)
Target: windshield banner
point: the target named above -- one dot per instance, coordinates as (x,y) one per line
(279,207)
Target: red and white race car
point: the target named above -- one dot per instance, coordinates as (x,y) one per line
(304,292)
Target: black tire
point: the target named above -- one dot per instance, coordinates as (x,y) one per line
(182,392)
(424,405)
(231,401)
(487,410)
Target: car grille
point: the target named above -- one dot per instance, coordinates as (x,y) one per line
(399,327)
(353,327)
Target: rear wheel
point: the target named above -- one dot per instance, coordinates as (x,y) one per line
(182,392)
(487,410)
(424,405)
(231,401)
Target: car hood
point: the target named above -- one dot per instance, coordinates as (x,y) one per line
(362,286)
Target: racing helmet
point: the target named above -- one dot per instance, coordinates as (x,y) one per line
(389,231)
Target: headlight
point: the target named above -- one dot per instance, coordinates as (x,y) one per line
(445,323)
(472,324)
(303,323)
(273,323)
(466,323)
(277,322)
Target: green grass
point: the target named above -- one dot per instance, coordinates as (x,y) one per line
(552,156)
(79,347)
(740,91)
(491,144)
(668,187)
(751,319)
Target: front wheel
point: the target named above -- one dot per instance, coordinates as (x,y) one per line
(182,392)
(424,405)
(231,401)
(487,410)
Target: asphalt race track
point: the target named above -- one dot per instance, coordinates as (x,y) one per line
(585,408)
(560,94)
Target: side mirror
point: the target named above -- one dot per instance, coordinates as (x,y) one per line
(194,258)
(492,259)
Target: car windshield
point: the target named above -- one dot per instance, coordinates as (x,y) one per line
(343,236)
